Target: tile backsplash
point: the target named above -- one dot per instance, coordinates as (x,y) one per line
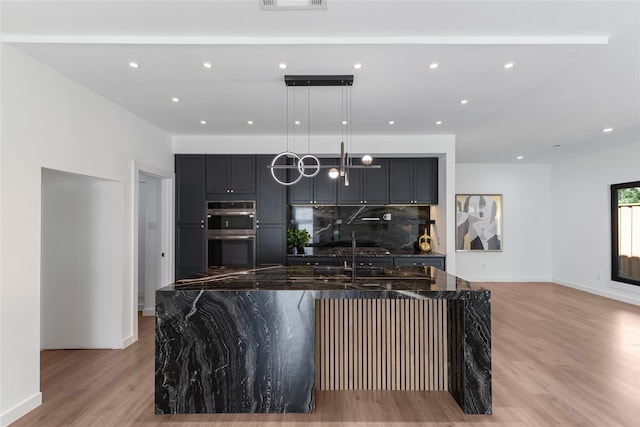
(393,227)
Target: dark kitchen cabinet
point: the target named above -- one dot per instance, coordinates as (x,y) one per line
(413,181)
(311,260)
(366,186)
(190,250)
(319,190)
(433,260)
(230,174)
(190,213)
(190,172)
(271,215)
(271,243)
(364,261)
(271,196)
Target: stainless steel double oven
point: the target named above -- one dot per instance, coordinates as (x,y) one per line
(231,233)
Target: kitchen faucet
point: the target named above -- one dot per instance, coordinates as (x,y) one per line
(353,255)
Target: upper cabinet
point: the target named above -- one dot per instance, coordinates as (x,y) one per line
(230,174)
(366,186)
(319,190)
(271,196)
(413,181)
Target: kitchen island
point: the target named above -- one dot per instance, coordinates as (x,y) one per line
(263,340)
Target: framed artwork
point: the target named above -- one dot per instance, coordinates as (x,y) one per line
(479,222)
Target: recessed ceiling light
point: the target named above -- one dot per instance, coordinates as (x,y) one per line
(357,66)
(607,130)
(344,122)
(203,122)
(434,65)
(508,65)
(391,122)
(207,64)
(439,122)
(464,101)
(520,157)
(250,122)
(282,65)
(134,64)
(174,99)
(297,122)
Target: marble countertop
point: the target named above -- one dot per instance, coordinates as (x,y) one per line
(413,278)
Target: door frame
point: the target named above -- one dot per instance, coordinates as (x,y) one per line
(167,235)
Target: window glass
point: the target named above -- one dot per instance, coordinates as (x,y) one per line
(625,232)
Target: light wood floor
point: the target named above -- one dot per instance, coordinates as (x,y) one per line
(561,357)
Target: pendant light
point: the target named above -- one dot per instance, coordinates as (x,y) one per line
(308,165)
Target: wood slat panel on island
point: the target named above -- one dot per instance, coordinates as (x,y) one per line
(405,346)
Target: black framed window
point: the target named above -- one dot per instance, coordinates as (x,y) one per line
(625,232)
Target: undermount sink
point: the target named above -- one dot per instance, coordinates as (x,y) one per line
(361,271)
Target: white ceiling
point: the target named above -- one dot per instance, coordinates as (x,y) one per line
(577,67)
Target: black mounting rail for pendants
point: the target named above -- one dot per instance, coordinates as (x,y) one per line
(331,80)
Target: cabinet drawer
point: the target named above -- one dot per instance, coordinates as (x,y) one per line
(370,261)
(311,260)
(432,261)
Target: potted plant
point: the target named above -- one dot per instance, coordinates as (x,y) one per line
(297,239)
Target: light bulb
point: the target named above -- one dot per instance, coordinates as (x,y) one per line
(367,159)
(333,173)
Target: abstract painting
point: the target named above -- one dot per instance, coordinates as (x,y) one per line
(478,222)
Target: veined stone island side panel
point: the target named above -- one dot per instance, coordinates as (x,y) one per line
(234,351)
(477,353)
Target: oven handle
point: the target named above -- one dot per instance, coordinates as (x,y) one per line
(232,237)
(228,212)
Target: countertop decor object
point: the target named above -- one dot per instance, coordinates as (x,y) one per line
(263,340)
(298,239)
(424,243)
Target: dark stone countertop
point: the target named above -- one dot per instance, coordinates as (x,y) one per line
(325,278)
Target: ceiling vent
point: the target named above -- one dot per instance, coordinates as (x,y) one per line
(293,4)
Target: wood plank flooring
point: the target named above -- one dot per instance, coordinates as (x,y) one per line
(561,357)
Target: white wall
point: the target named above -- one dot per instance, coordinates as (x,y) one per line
(50,121)
(526,254)
(82,263)
(581,220)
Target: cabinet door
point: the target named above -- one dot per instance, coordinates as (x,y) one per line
(375,188)
(190,252)
(243,174)
(325,188)
(271,196)
(190,171)
(425,173)
(301,193)
(270,244)
(217,174)
(352,194)
(400,181)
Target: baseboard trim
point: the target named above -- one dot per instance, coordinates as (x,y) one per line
(507,279)
(635,300)
(21,409)
(127,341)
(149,312)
